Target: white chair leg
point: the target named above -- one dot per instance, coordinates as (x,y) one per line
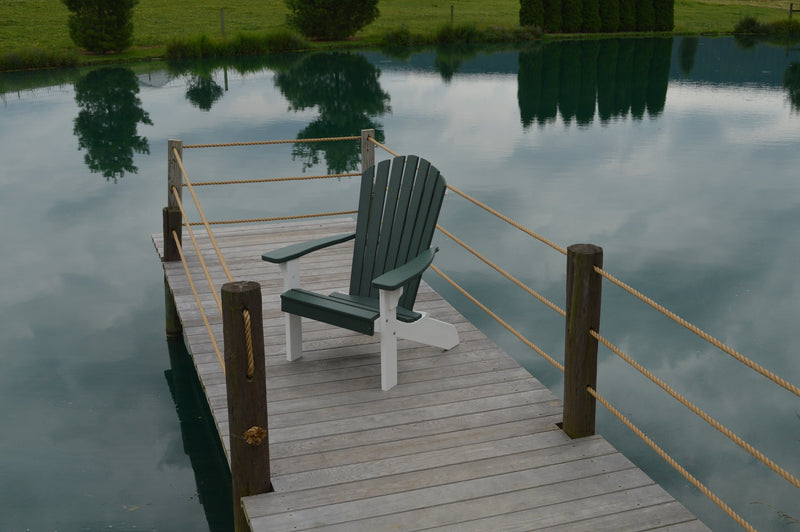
(294,326)
(429,331)
(388,331)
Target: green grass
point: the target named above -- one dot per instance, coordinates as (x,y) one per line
(33,33)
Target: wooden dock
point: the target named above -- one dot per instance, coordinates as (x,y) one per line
(466,441)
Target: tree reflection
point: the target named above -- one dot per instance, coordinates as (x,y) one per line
(106,125)
(687,51)
(613,78)
(203,92)
(346,91)
(791,82)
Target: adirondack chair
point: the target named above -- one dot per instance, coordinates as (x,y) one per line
(398,206)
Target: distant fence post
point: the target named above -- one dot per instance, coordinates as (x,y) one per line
(245,378)
(367,149)
(580,352)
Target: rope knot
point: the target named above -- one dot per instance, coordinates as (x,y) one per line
(254,436)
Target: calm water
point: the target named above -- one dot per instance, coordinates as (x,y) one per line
(678,157)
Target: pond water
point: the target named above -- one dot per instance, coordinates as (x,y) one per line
(678,156)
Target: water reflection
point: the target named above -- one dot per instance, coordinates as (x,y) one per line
(106,125)
(576,79)
(687,51)
(200,439)
(203,91)
(346,91)
(791,82)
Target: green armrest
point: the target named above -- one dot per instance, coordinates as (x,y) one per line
(295,251)
(394,279)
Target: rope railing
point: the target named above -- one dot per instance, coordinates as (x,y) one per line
(671,461)
(203,216)
(508,220)
(266,142)
(272,179)
(702,334)
(699,412)
(384,148)
(502,272)
(197,300)
(498,319)
(275,218)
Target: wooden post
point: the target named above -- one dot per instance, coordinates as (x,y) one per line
(245,378)
(172,221)
(367,149)
(174,327)
(174,175)
(452,14)
(580,352)
(222,20)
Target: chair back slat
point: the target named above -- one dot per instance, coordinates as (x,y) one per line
(398,208)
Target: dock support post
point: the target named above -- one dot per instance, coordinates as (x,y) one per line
(172,221)
(580,352)
(367,149)
(174,327)
(245,378)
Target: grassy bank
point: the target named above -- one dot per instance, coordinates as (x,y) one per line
(33,33)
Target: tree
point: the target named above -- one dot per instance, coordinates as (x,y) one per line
(572,15)
(645,15)
(100,25)
(609,15)
(552,16)
(531,13)
(664,14)
(591,16)
(330,19)
(627,15)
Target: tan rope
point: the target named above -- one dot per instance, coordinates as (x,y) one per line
(671,461)
(506,219)
(499,320)
(503,272)
(702,334)
(276,218)
(263,142)
(248,336)
(697,411)
(378,144)
(197,300)
(202,216)
(197,250)
(271,179)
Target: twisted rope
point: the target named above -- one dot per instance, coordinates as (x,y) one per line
(197,300)
(197,250)
(671,461)
(271,179)
(202,216)
(264,142)
(700,413)
(378,144)
(499,319)
(702,334)
(248,336)
(508,220)
(275,218)
(502,272)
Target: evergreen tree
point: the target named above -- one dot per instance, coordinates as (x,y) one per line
(591,16)
(531,13)
(572,15)
(627,15)
(664,14)
(100,25)
(609,15)
(645,15)
(552,16)
(330,19)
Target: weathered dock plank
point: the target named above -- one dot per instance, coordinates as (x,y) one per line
(467,440)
